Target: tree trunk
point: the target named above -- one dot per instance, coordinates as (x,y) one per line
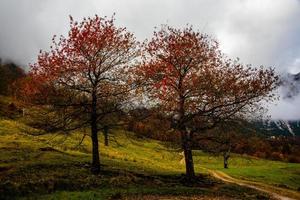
(96,161)
(185,136)
(188,156)
(105,132)
(226,156)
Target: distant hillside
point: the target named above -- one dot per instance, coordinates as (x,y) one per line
(9,73)
(279,127)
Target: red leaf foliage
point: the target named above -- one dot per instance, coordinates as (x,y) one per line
(186,72)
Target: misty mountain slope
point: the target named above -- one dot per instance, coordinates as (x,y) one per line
(279,127)
(289,92)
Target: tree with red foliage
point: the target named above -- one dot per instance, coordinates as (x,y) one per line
(85,75)
(188,76)
(225,138)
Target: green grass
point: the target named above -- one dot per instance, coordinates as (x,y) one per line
(130,166)
(250,168)
(124,151)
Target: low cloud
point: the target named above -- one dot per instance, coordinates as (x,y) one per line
(286,109)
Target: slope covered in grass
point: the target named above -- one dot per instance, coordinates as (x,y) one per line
(55,166)
(250,168)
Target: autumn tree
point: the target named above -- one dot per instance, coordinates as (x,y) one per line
(187,75)
(116,119)
(224,138)
(85,76)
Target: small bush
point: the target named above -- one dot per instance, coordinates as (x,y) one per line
(293,159)
(277,156)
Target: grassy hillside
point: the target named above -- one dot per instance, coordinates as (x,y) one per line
(286,175)
(56,167)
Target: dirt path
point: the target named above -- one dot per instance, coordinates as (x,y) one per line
(276,192)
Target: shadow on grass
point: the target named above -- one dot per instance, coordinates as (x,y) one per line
(53,181)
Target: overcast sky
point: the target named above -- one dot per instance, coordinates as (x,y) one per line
(260,32)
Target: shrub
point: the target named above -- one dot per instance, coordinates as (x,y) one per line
(294,159)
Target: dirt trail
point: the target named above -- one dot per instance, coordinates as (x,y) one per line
(276,192)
